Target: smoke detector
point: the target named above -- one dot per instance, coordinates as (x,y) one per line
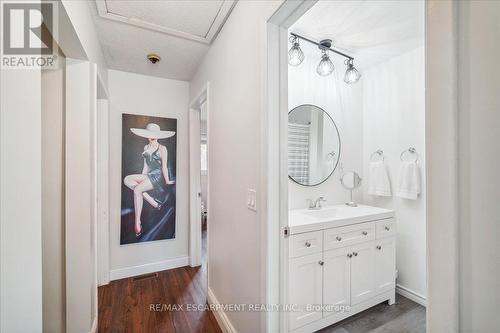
(154,58)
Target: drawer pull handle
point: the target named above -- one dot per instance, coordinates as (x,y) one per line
(365,233)
(308,244)
(349,255)
(355,254)
(321,263)
(379,247)
(338,238)
(387,228)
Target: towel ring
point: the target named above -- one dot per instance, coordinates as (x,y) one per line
(410,150)
(379,152)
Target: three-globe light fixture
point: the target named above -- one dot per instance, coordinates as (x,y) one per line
(325,66)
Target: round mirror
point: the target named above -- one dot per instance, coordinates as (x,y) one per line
(350,180)
(313,145)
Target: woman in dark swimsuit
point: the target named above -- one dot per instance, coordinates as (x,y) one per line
(154,176)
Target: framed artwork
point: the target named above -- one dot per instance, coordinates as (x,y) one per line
(149,147)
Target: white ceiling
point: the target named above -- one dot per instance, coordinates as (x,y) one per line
(371,30)
(179,31)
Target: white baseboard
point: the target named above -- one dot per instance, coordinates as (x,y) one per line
(126,272)
(220,315)
(94,325)
(408,293)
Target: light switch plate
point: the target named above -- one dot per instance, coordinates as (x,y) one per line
(252,199)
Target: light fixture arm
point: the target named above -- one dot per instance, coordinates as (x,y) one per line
(321,46)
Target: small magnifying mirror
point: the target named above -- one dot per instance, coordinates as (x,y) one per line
(350,180)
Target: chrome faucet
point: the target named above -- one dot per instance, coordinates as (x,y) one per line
(316,204)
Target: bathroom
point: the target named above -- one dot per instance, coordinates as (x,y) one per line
(356,138)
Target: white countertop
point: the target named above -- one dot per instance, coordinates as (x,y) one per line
(305,220)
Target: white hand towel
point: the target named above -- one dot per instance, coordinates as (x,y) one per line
(409,181)
(378,179)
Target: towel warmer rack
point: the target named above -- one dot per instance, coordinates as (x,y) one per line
(410,150)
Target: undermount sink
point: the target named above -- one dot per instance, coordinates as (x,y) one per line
(322,213)
(304,220)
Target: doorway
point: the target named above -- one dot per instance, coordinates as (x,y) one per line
(199,179)
(280,198)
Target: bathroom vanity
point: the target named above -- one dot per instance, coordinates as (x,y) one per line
(342,260)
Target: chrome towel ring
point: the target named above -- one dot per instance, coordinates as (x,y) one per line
(379,152)
(410,150)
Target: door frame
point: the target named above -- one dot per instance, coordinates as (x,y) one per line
(194,175)
(441,131)
(274,167)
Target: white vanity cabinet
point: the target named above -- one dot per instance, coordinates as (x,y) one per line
(337,272)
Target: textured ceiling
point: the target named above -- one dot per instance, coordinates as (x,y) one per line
(179,31)
(371,31)
(193,17)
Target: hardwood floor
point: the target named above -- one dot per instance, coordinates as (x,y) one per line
(405,316)
(141,305)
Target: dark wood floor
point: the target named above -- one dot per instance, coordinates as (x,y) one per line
(405,316)
(125,305)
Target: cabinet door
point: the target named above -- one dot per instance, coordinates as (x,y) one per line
(385,264)
(362,272)
(305,289)
(336,280)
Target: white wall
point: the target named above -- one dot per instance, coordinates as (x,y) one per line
(53,246)
(479,164)
(233,65)
(441,156)
(82,24)
(81,286)
(103,191)
(20,204)
(140,94)
(344,104)
(393,120)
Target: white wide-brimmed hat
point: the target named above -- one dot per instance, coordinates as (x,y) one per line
(152,131)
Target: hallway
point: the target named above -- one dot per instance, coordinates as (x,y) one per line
(124,305)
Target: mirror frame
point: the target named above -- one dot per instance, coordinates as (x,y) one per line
(340,146)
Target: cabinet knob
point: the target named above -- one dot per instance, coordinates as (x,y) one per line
(338,238)
(387,228)
(379,247)
(308,244)
(321,262)
(349,255)
(365,233)
(355,254)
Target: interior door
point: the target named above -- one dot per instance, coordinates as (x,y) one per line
(362,272)
(385,263)
(305,289)
(336,280)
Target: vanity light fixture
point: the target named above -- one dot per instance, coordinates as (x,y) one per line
(325,66)
(295,55)
(352,75)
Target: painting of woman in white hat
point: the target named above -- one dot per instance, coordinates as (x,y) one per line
(149,185)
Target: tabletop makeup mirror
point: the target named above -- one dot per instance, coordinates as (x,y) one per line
(313,145)
(351,181)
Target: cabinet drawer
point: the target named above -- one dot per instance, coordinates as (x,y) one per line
(306,243)
(349,235)
(385,228)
